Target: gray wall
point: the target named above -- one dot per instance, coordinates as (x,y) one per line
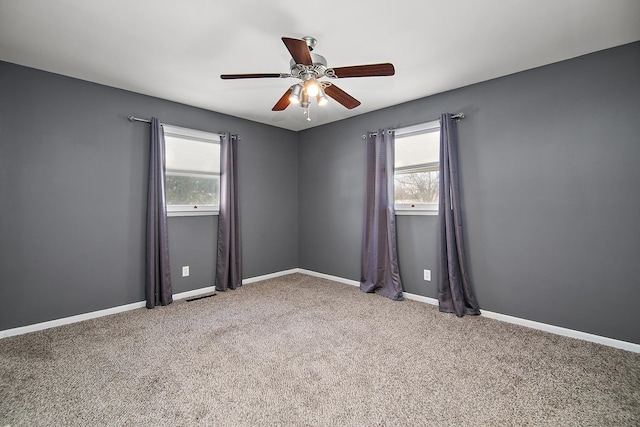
(548,166)
(549,176)
(73,197)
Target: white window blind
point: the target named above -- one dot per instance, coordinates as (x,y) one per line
(192,161)
(417,169)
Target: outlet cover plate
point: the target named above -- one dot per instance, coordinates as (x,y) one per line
(185,271)
(427,275)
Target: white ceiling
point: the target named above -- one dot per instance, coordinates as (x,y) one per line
(176,50)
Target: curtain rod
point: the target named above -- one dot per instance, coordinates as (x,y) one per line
(138,119)
(457,116)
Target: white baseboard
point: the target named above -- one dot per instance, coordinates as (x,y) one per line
(407,295)
(68,320)
(328,277)
(420,298)
(558,330)
(269,276)
(194,293)
(119,309)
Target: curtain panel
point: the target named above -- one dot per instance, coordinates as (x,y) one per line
(229,254)
(379,263)
(158,276)
(455,293)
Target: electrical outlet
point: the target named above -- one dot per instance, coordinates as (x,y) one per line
(427,275)
(185,271)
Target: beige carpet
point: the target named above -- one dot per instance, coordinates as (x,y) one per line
(304,351)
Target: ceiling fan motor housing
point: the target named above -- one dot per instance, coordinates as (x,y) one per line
(318,68)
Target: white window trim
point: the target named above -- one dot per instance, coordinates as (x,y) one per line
(189,210)
(416,212)
(419,128)
(417,208)
(180,132)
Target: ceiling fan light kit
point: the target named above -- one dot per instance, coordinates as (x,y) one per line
(309,67)
(296,94)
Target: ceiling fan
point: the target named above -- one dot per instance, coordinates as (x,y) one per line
(309,68)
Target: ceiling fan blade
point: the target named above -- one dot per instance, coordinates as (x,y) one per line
(341,96)
(298,50)
(372,70)
(282,102)
(249,76)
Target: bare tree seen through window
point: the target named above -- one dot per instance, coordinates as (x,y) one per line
(192,190)
(416,187)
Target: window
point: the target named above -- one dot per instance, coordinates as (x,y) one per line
(417,169)
(192,182)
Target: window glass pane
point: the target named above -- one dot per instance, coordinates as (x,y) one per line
(416,187)
(185,154)
(417,149)
(182,189)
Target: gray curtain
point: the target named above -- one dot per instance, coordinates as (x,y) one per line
(379,268)
(455,294)
(229,258)
(158,277)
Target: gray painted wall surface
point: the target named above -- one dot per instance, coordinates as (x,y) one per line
(193,242)
(73,186)
(549,176)
(548,166)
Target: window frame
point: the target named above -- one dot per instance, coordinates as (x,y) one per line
(417,208)
(194,135)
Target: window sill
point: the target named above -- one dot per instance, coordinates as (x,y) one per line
(416,212)
(192,213)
